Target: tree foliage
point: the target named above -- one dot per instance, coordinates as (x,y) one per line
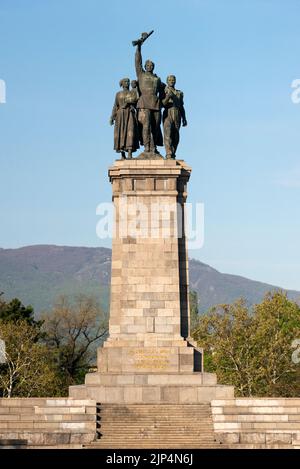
(42,358)
(252,349)
(248,348)
(28,369)
(14,310)
(73,330)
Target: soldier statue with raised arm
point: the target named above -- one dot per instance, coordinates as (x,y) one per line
(149,103)
(137,112)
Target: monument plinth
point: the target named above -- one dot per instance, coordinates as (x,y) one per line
(149,356)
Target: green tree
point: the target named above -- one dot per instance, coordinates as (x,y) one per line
(73,330)
(277,324)
(251,349)
(14,310)
(45,357)
(29,368)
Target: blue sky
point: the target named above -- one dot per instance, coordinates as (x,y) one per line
(235,60)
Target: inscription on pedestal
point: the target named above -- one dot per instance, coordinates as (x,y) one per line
(150,358)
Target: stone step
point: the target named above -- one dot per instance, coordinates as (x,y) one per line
(128,412)
(158,408)
(131,412)
(158,439)
(156,420)
(170,435)
(180,423)
(145,405)
(162,407)
(155,411)
(180,379)
(153,418)
(146,433)
(171,414)
(162,431)
(137,394)
(201,413)
(156,426)
(156,444)
(58,446)
(158,434)
(153,423)
(150,416)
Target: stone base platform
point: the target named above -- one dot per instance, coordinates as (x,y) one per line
(257,423)
(46,423)
(142,388)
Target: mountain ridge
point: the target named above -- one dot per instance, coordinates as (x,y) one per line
(38,274)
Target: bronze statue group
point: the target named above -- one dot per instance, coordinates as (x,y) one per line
(136,114)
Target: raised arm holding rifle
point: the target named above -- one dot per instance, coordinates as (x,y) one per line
(149,103)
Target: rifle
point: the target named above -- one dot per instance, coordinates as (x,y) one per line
(142,39)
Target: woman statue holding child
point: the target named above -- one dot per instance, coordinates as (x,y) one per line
(126,137)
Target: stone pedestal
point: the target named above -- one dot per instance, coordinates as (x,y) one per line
(149,356)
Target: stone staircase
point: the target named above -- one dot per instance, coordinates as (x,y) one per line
(154,426)
(242,423)
(46,422)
